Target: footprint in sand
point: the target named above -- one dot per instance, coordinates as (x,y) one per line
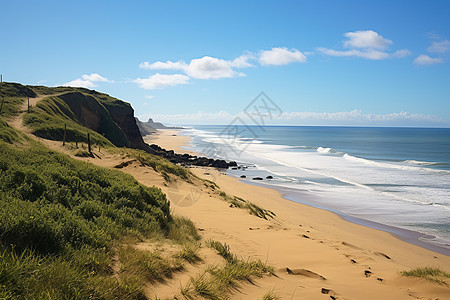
(329,292)
(382,255)
(351,246)
(304,272)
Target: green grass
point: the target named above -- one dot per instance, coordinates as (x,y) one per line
(252,208)
(149,266)
(430,274)
(217,281)
(223,250)
(50,115)
(60,218)
(271,295)
(159,164)
(9,134)
(189,252)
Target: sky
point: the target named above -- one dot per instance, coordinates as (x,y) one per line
(350,63)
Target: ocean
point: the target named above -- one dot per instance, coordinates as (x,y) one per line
(399,177)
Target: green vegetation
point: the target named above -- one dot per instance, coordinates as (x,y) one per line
(271,295)
(252,208)
(61,219)
(430,274)
(216,280)
(9,134)
(49,117)
(158,163)
(189,253)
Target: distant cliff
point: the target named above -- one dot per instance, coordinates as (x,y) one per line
(150,126)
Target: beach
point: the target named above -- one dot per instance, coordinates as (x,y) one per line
(317,254)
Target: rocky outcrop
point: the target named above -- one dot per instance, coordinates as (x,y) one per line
(187,159)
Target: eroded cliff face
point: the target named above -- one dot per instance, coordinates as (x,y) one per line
(91,113)
(123,115)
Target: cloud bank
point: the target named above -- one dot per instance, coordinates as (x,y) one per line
(350,118)
(208,67)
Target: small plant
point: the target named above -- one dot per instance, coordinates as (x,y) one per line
(430,274)
(189,252)
(271,295)
(223,250)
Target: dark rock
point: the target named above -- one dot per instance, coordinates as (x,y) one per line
(269,177)
(257,178)
(243,176)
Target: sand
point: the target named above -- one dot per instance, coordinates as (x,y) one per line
(317,254)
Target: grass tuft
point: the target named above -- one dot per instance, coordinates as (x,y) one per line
(431,274)
(271,295)
(217,280)
(189,252)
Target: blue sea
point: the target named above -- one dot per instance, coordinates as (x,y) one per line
(398,177)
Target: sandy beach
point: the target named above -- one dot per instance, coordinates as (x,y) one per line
(316,253)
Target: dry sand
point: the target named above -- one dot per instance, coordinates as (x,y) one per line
(327,257)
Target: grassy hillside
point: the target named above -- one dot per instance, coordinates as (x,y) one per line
(60,220)
(78,108)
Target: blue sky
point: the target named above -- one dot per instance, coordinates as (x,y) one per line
(371,63)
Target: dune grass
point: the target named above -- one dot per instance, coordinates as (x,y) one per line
(431,274)
(60,219)
(216,281)
(252,208)
(158,163)
(271,295)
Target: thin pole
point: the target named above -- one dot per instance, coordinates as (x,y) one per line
(89,143)
(64,139)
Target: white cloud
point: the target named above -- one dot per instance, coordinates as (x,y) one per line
(149,96)
(87,81)
(168,65)
(401,53)
(355,117)
(366,44)
(80,83)
(366,39)
(439,47)
(158,81)
(94,77)
(280,56)
(210,68)
(369,54)
(426,60)
(206,67)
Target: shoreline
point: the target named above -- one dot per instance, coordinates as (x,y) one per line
(173,139)
(406,235)
(358,262)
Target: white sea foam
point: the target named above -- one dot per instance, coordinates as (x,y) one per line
(324,150)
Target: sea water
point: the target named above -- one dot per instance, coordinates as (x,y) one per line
(394,176)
